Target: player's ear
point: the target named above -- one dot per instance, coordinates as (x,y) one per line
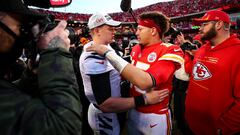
(154,31)
(219,25)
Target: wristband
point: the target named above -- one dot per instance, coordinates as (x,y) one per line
(145,98)
(139,101)
(117,62)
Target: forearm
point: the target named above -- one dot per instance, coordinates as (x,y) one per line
(118,104)
(135,75)
(28,83)
(57,83)
(57,107)
(114,104)
(230,121)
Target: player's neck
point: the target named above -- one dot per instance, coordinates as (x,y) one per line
(154,41)
(100,42)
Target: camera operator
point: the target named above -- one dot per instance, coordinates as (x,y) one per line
(180,82)
(53,107)
(189,46)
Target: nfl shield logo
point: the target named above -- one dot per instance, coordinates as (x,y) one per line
(152,57)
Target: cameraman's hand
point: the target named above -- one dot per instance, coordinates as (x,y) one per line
(181,38)
(126,51)
(32,66)
(58,37)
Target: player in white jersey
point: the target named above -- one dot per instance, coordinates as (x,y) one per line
(102,81)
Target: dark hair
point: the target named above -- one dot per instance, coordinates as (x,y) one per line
(159,18)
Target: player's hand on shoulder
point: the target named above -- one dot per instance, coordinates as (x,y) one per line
(100,49)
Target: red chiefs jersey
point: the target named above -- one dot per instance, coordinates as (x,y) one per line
(151,59)
(213,96)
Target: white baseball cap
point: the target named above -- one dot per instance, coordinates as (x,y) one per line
(99,19)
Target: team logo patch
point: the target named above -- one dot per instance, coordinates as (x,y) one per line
(201,72)
(152,57)
(100,62)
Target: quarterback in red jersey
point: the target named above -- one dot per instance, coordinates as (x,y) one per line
(153,66)
(151,59)
(213,97)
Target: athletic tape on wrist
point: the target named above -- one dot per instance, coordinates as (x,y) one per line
(104,55)
(118,63)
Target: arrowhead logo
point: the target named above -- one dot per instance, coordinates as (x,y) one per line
(201,72)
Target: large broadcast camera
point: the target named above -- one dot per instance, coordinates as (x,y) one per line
(46,24)
(49,23)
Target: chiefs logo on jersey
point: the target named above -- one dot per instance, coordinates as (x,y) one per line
(152,57)
(201,72)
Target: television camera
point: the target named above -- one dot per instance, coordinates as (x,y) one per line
(46,23)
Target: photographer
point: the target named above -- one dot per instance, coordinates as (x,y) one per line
(53,107)
(180,82)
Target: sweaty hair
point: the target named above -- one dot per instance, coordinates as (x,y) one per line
(159,18)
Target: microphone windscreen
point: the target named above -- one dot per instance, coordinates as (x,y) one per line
(125,5)
(38,3)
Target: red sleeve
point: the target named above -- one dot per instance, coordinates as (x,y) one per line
(230,121)
(188,63)
(173,53)
(162,71)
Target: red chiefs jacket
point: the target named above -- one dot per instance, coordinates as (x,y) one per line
(213,96)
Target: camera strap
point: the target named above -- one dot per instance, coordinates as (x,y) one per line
(8,30)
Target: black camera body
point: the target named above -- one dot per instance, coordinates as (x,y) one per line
(49,23)
(188,46)
(45,25)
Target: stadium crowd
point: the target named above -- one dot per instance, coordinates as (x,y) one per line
(176,8)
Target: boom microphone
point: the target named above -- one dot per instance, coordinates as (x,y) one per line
(38,3)
(125,5)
